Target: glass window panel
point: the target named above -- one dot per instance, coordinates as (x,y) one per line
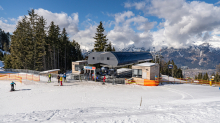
(140,72)
(135,72)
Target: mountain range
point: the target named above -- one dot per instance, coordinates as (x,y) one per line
(202,56)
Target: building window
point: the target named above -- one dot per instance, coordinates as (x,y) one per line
(93,57)
(108,58)
(77,68)
(137,73)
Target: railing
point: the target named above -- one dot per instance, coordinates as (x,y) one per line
(191,81)
(23,70)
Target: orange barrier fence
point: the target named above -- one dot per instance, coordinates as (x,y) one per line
(156,82)
(14,77)
(143,82)
(30,77)
(19,77)
(202,82)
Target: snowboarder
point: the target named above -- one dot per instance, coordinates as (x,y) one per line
(58,78)
(61,84)
(64,76)
(49,76)
(12,86)
(103,80)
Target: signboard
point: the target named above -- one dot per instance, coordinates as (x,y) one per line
(170,66)
(89,68)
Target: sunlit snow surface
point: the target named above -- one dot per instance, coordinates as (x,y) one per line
(93,102)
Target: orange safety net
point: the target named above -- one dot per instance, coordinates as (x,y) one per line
(11,77)
(19,77)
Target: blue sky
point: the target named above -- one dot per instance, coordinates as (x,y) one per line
(143,23)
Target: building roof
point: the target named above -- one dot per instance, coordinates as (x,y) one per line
(146,64)
(115,59)
(131,57)
(81,61)
(48,71)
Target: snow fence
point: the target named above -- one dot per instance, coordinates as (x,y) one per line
(18,77)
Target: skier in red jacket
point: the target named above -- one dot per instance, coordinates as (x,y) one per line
(103,80)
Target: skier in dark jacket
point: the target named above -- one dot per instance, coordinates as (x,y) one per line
(12,86)
(58,78)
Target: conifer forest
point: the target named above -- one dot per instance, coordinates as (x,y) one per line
(37,47)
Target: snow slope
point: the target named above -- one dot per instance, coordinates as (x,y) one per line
(93,102)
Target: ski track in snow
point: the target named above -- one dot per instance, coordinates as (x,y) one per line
(85,102)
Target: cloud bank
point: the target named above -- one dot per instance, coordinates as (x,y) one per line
(183,23)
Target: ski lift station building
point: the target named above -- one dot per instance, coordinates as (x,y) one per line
(145,70)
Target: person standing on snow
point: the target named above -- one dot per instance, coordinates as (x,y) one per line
(12,86)
(64,76)
(58,78)
(61,84)
(103,80)
(49,76)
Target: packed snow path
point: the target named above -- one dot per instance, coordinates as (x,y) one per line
(94,102)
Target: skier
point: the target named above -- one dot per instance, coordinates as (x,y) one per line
(104,80)
(61,84)
(49,77)
(93,77)
(12,86)
(64,76)
(58,78)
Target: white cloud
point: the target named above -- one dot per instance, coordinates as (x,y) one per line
(62,19)
(1,8)
(217,3)
(85,37)
(183,21)
(123,34)
(7,27)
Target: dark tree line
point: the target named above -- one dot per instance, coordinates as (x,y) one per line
(205,76)
(175,72)
(37,47)
(4,42)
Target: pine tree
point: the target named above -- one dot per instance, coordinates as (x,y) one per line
(206,77)
(113,49)
(196,77)
(109,48)
(65,40)
(21,46)
(40,41)
(53,42)
(100,38)
(216,78)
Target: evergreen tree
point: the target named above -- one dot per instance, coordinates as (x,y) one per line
(206,77)
(109,48)
(4,40)
(100,38)
(216,78)
(196,77)
(113,49)
(7,61)
(53,42)
(21,46)
(40,40)
(65,40)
